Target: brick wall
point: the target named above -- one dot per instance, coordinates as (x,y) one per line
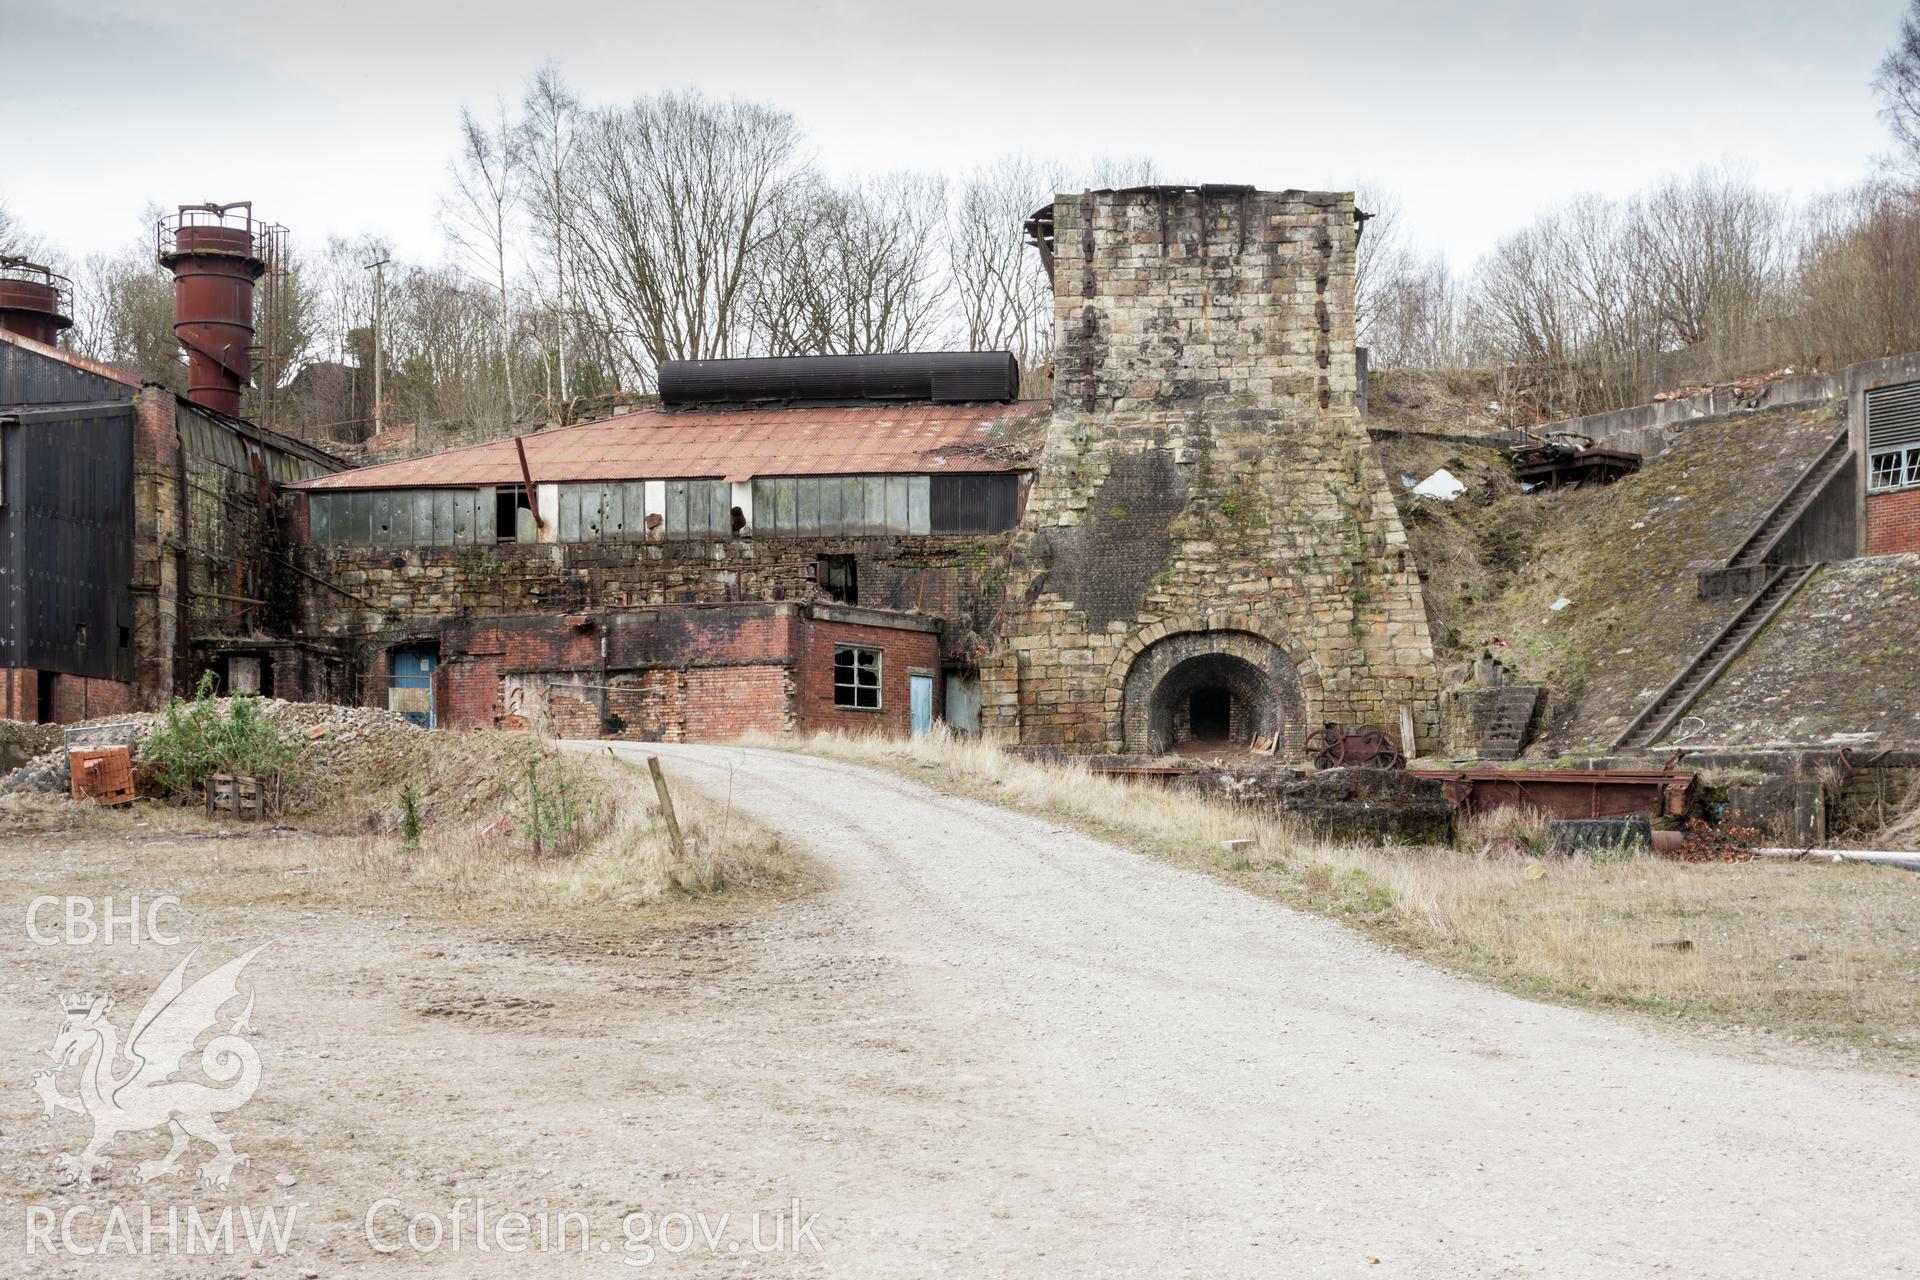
(19,694)
(902,653)
(1893,522)
(301,674)
(74,698)
(725,702)
(1206,479)
(386,594)
(669,674)
(82,698)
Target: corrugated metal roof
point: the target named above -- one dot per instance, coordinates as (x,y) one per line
(35,373)
(732,445)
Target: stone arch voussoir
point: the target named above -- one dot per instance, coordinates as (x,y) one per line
(1290,685)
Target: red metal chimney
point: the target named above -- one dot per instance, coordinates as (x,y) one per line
(34,301)
(216,252)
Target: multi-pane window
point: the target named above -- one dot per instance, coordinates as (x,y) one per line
(868,506)
(403,517)
(856,677)
(699,509)
(839,506)
(1893,469)
(1893,437)
(612,511)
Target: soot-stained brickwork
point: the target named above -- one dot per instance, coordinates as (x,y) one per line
(1125,540)
(675,673)
(1259,679)
(1206,480)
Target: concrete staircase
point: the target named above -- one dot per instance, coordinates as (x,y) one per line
(1719,653)
(1509,721)
(1837,456)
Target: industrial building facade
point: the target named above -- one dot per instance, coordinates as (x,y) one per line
(684,573)
(1191,541)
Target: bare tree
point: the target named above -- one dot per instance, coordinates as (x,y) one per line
(1001,296)
(675,200)
(550,127)
(123,305)
(1709,251)
(1856,277)
(479,216)
(1381,261)
(17,242)
(442,331)
(854,268)
(1421,319)
(1119,172)
(1898,84)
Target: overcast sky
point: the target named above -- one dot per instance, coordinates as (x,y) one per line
(339,115)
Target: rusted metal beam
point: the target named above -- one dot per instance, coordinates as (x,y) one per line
(526,478)
(1568,793)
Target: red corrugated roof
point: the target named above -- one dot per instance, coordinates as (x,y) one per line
(731,444)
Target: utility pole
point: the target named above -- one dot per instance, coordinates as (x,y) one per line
(379,308)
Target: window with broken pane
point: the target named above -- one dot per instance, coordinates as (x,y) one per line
(1893,469)
(856,677)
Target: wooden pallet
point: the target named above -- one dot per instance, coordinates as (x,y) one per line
(243,796)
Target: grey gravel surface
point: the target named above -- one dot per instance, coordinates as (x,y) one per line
(1118,1068)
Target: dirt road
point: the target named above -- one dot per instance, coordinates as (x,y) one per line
(1110,1067)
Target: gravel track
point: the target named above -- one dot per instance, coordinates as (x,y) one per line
(1113,1067)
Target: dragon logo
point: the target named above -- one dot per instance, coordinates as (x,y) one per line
(147,1094)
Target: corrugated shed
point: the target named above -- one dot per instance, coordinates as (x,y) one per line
(66,541)
(735,445)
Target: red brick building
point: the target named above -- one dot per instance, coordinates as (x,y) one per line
(1886,395)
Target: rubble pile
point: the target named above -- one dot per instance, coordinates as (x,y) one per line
(349,765)
(335,742)
(20,742)
(1362,806)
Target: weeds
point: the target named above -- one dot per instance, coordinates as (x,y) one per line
(195,739)
(555,803)
(409,818)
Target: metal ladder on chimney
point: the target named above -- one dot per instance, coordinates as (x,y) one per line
(1719,653)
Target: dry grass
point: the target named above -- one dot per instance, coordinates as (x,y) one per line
(1902,829)
(619,856)
(1829,953)
(474,856)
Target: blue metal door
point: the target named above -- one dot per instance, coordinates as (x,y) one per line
(920,702)
(411,693)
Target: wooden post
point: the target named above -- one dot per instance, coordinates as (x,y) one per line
(666,808)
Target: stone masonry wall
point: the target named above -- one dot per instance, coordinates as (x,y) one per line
(159,550)
(1206,472)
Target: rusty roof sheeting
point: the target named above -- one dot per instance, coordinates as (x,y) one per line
(733,445)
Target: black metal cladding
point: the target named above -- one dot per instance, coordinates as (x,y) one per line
(973,503)
(951,377)
(32,377)
(66,541)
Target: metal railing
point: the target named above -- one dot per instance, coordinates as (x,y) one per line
(17,268)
